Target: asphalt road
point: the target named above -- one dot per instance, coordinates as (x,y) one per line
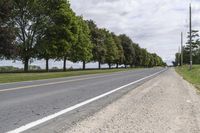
(25,102)
(165,104)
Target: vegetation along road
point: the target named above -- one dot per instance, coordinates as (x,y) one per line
(51,30)
(193,76)
(17,77)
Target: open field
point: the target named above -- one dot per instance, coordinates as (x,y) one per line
(192,76)
(17,77)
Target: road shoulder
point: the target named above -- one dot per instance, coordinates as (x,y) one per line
(166,103)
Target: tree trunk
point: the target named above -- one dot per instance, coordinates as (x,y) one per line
(131,65)
(64,64)
(47,65)
(99,65)
(117,65)
(83,65)
(109,65)
(26,61)
(125,65)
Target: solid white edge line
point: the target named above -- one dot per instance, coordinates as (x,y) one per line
(47,118)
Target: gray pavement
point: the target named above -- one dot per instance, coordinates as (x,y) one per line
(24,102)
(165,104)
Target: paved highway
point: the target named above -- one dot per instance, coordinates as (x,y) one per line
(35,102)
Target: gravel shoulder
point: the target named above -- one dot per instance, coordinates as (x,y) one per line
(165,104)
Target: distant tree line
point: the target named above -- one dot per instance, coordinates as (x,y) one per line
(50,29)
(186,50)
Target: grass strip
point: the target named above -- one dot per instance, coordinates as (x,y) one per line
(17,77)
(193,76)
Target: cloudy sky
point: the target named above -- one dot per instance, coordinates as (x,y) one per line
(154,24)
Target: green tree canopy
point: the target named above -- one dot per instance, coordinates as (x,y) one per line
(120,52)
(82,50)
(28,18)
(97,38)
(7,34)
(138,55)
(195,47)
(111,48)
(51,30)
(64,29)
(129,52)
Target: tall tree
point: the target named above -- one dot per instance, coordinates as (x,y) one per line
(64,31)
(138,55)
(7,34)
(177,59)
(129,51)
(120,52)
(135,54)
(111,49)
(82,50)
(195,39)
(97,38)
(55,35)
(28,18)
(46,49)
(195,48)
(45,45)
(145,57)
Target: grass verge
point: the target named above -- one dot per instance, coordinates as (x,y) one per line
(17,77)
(192,76)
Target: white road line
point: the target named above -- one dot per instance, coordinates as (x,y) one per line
(50,117)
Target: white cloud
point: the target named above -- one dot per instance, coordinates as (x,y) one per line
(154,24)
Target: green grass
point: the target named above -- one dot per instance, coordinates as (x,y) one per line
(192,76)
(17,77)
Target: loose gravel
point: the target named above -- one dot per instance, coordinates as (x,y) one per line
(165,104)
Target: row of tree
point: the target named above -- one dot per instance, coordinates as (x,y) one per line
(195,47)
(50,29)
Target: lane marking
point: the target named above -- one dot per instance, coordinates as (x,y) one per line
(52,83)
(50,117)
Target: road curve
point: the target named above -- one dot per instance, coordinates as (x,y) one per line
(25,102)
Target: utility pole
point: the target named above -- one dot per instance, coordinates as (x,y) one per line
(190,37)
(181,48)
